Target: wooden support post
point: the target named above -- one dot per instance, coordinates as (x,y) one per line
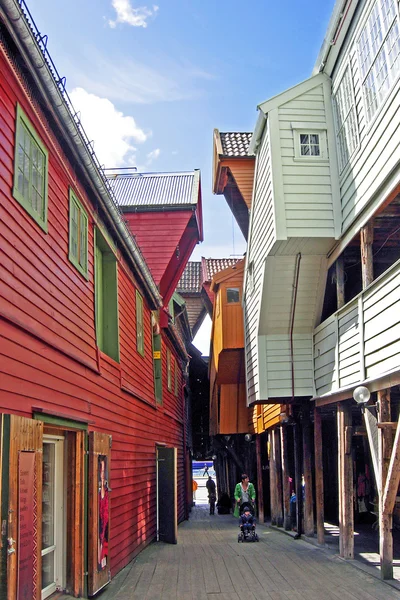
(319,477)
(340,282)
(307,471)
(285,478)
(345,472)
(297,441)
(385,519)
(272,476)
(278,477)
(260,494)
(367,265)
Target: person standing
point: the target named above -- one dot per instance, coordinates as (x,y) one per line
(212,496)
(194,486)
(244,492)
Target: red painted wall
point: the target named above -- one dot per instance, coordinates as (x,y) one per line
(48,355)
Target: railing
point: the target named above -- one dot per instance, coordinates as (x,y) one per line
(362,339)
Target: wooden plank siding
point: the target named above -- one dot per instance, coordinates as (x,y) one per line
(262,237)
(243,173)
(361,340)
(307,190)
(378,152)
(48,353)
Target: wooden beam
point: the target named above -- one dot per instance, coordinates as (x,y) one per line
(385,519)
(307,470)
(340,281)
(393,476)
(285,478)
(298,475)
(319,476)
(367,265)
(278,478)
(272,477)
(345,472)
(371,426)
(260,494)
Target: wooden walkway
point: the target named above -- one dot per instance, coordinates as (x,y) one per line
(209,564)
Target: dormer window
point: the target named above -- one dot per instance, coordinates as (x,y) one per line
(232,295)
(310,141)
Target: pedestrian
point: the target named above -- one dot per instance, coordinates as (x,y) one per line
(212,496)
(194,487)
(205,469)
(244,492)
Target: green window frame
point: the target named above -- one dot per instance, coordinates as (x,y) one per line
(139,324)
(30,170)
(169,374)
(106,297)
(157,364)
(176,377)
(78,235)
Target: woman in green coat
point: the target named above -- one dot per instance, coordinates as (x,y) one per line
(244,492)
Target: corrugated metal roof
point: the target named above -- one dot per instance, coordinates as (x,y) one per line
(235,143)
(215,265)
(156,189)
(191,278)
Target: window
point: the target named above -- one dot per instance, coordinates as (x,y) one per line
(176,378)
(310,141)
(30,170)
(106,297)
(345,119)
(250,275)
(157,365)
(232,295)
(169,374)
(78,235)
(139,324)
(378,50)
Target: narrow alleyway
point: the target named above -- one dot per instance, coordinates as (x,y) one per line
(209,564)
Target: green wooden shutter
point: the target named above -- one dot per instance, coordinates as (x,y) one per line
(157,367)
(139,324)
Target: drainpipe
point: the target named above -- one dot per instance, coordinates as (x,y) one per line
(292,314)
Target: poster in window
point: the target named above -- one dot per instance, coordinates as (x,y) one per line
(102,557)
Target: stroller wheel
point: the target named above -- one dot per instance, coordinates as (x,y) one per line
(239,538)
(256,538)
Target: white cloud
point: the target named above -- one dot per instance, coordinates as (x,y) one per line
(113,132)
(153,155)
(136,17)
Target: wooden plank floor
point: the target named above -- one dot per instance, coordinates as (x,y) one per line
(209,564)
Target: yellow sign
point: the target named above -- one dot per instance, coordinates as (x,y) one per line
(156,354)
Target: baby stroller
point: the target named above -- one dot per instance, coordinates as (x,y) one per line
(247,524)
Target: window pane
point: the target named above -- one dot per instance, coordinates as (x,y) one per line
(232,295)
(303,138)
(305,150)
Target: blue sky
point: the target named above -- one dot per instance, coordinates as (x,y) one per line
(152,81)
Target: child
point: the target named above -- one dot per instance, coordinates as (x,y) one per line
(247,521)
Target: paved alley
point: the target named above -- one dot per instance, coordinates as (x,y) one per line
(209,564)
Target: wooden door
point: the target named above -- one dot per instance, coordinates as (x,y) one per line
(99,511)
(166,495)
(21,442)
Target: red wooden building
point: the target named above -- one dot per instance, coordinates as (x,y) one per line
(91,362)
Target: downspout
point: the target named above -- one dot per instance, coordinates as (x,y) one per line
(292,315)
(65,117)
(185,469)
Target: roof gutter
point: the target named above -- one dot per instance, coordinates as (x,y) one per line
(62,110)
(334,26)
(257,133)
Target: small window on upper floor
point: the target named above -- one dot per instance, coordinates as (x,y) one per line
(169,374)
(378,50)
(310,142)
(106,296)
(346,124)
(30,170)
(176,386)
(78,235)
(232,295)
(139,324)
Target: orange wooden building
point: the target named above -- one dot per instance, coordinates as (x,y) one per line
(92,410)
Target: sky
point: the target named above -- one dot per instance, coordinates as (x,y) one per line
(152,81)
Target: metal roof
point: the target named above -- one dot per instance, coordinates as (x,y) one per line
(191,278)
(235,143)
(156,189)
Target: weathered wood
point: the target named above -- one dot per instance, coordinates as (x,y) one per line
(307,470)
(345,472)
(370,421)
(260,494)
(367,266)
(340,281)
(298,476)
(393,476)
(385,519)
(319,476)
(285,478)
(278,476)
(272,477)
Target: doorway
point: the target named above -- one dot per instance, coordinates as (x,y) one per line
(167,513)
(53,516)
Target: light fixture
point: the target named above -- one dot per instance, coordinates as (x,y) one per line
(214,457)
(361,395)
(248,437)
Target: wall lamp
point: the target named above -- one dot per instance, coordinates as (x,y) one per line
(248,437)
(361,395)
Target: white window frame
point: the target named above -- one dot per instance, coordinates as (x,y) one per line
(379,50)
(343,120)
(319,129)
